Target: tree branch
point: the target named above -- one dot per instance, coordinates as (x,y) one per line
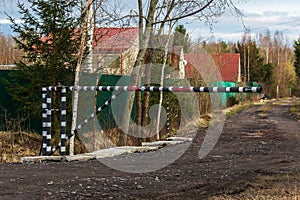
(187,15)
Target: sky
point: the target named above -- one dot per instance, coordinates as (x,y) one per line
(259,15)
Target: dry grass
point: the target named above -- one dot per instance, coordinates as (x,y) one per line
(206,119)
(263,194)
(295,110)
(96,140)
(14,145)
(237,108)
(277,187)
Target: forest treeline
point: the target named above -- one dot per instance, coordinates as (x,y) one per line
(264,58)
(8,51)
(267,59)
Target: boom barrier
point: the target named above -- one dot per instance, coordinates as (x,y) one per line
(157,89)
(62,90)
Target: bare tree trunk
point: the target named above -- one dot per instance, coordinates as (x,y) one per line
(245,61)
(77,73)
(145,117)
(150,54)
(145,103)
(135,78)
(145,107)
(138,94)
(248,58)
(161,83)
(267,55)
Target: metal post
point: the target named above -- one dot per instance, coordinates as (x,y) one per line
(48,122)
(63,121)
(44,120)
(168,115)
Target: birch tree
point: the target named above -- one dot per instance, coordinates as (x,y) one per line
(88,10)
(80,54)
(152,17)
(167,13)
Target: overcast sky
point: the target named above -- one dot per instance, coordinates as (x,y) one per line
(260,15)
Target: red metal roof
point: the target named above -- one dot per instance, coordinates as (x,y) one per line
(201,64)
(114,40)
(109,40)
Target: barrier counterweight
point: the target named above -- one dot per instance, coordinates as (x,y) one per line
(46,106)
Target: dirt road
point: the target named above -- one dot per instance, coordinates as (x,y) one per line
(259,150)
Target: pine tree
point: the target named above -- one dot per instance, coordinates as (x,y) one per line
(182,38)
(250,57)
(297,57)
(256,63)
(48,37)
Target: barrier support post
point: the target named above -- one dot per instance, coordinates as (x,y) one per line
(48,122)
(44,121)
(63,119)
